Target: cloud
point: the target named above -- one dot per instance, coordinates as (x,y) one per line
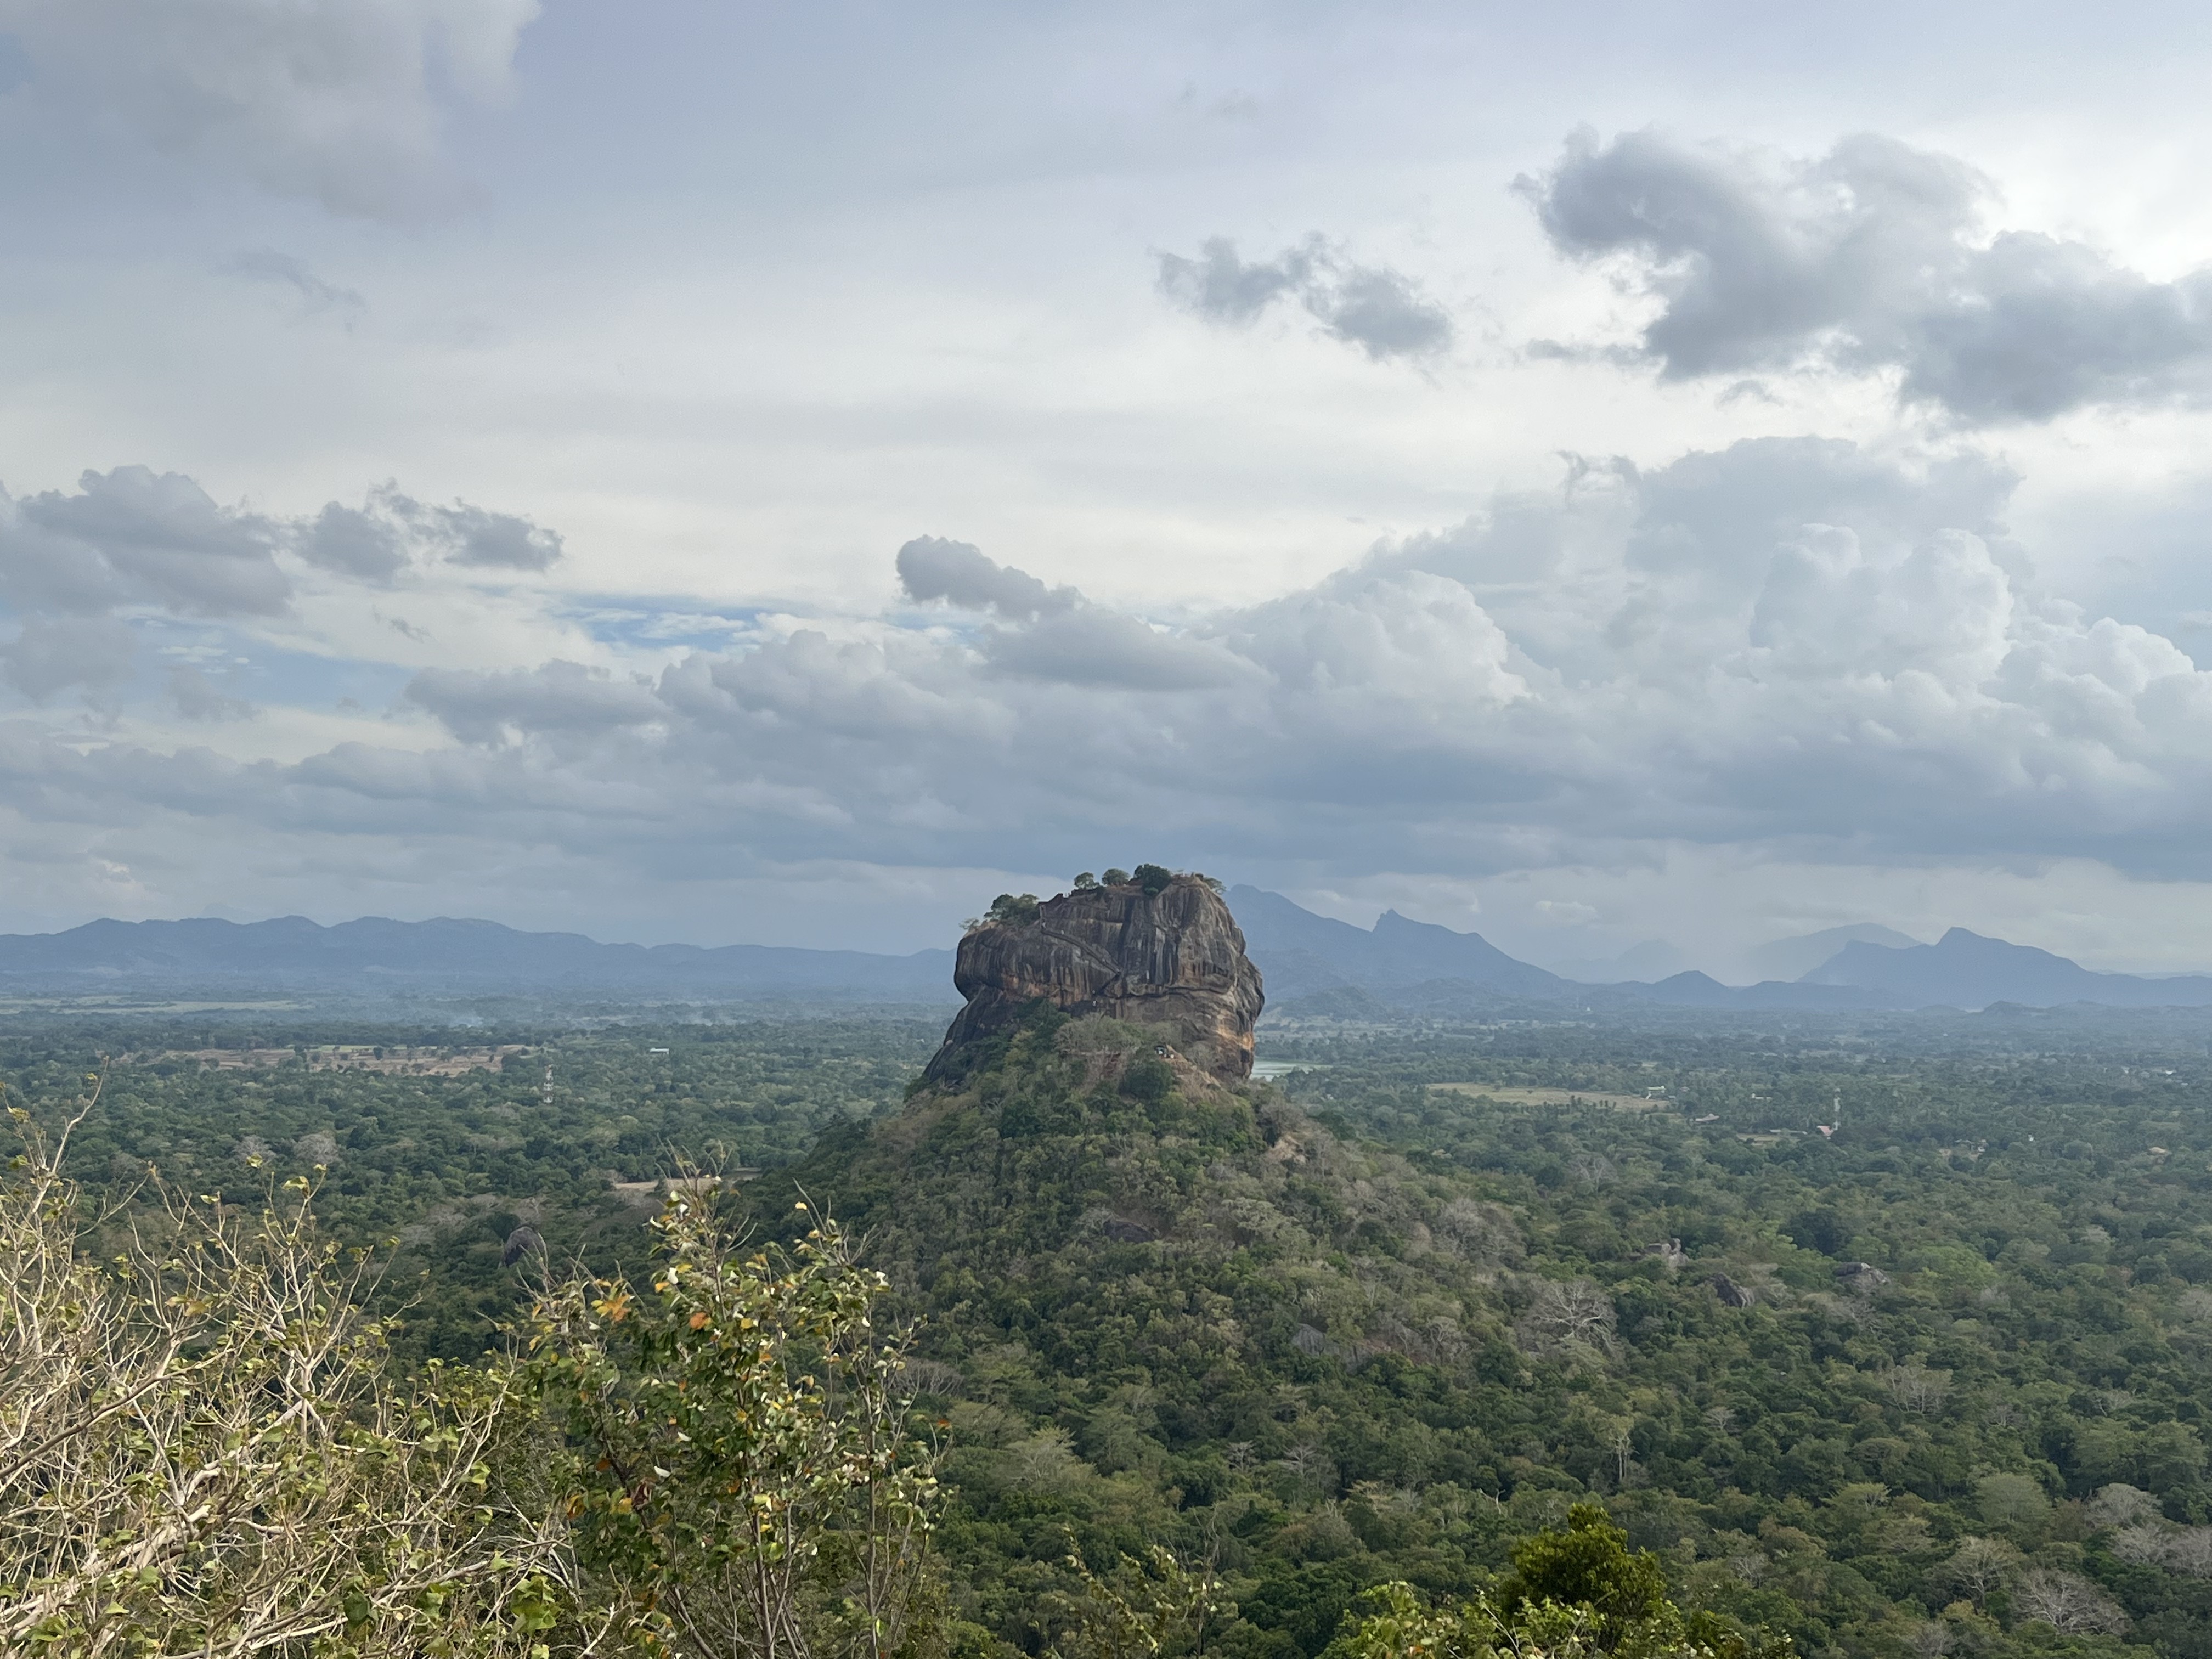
(132,535)
(84,572)
(135,538)
(1381,311)
(95,652)
(559,698)
(959,574)
(1097,646)
(196,697)
(1781,640)
(1058,634)
(392,531)
(473,535)
(354,541)
(1217,287)
(1870,259)
(341,101)
(1787,648)
(315,295)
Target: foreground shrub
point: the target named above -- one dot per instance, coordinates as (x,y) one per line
(745,1478)
(204,1448)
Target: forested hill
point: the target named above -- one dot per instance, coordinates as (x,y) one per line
(1937,1385)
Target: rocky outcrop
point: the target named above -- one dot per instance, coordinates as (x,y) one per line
(1173,958)
(1735,1295)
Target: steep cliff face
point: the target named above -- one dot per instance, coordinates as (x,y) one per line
(1173,958)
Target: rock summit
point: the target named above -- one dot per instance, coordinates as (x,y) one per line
(1168,956)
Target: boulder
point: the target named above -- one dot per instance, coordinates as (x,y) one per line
(1735,1295)
(1172,959)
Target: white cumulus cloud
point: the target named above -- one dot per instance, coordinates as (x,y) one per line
(1873,257)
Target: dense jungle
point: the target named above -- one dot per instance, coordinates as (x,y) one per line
(1888,1337)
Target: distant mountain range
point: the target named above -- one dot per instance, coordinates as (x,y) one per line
(373,955)
(1313,965)
(1794,958)
(1992,971)
(1300,953)
(1319,966)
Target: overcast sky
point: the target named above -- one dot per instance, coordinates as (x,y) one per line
(696,470)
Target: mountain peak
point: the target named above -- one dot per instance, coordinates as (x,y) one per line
(1794,957)
(1967,969)
(1305,954)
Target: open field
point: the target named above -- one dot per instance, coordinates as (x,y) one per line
(1515,1096)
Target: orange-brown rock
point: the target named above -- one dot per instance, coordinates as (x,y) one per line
(1174,959)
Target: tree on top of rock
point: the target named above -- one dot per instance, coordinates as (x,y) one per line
(1012,910)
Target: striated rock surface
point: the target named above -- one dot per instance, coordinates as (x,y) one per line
(1172,958)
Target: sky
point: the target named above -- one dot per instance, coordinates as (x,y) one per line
(1593,474)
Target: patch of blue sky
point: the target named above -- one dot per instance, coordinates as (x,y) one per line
(641,624)
(254,671)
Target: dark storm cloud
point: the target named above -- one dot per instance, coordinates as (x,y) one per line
(1869,258)
(1381,311)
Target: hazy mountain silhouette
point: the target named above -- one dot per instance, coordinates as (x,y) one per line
(1313,965)
(1798,956)
(1964,970)
(1301,953)
(377,954)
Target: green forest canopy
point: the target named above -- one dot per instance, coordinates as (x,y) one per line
(1936,1385)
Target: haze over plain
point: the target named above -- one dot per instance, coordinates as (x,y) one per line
(694,472)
